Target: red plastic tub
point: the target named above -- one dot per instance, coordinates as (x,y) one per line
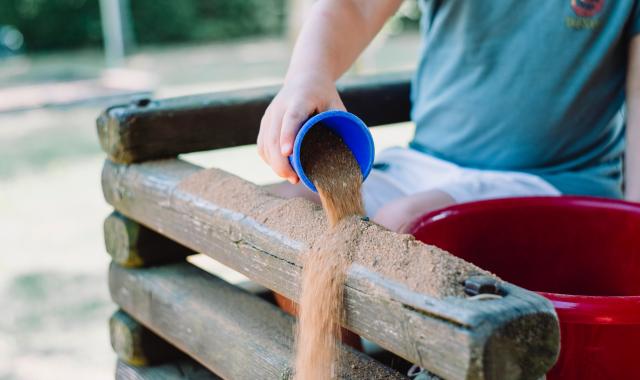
(581,253)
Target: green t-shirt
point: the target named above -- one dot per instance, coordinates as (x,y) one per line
(531,85)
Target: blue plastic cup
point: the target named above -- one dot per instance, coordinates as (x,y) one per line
(351,130)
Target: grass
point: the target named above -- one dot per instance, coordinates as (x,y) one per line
(68,136)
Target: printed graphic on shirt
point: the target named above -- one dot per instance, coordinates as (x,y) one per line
(587,8)
(586,12)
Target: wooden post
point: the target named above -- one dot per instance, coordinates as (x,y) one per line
(135,344)
(230,331)
(131,244)
(184,369)
(514,336)
(146,130)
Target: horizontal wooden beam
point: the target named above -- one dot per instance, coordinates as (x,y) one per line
(137,345)
(145,130)
(131,244)
(422,316)
(184,369)
(230,331)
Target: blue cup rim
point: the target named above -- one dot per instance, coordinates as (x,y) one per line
(295,157)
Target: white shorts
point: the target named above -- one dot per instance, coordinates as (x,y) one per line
(399,172)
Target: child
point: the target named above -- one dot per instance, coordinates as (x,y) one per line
(514,98)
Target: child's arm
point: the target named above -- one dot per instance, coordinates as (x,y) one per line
(632,164)
(333,36)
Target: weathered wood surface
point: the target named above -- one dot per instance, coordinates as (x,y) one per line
(259,235)
(136,344)
(184,369)
(230,331)
(131,244)
(145,130)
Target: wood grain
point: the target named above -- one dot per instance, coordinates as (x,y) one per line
(142,131)
(137,345)
(184,369)
(230,331)
(131,244)
(250,231)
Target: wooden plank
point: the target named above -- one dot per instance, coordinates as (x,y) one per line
(230,331)
(261,236)
(131,244)
(137,345)
(184,369)
(146,129)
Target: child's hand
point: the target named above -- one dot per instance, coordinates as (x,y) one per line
(295,103)
(334,34)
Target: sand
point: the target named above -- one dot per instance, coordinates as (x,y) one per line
(334,171)
(298,231)
(300,224)
(328,162)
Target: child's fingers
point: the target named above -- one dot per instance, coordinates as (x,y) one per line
(264,122)
(291,123)
(281,166)
(279,163)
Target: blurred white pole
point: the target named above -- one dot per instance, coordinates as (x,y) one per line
(114,26)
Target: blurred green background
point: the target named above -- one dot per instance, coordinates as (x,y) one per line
(72,24)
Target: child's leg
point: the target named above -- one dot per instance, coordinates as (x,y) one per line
(408,184)
(397,175)
(471,185)
(397,214)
